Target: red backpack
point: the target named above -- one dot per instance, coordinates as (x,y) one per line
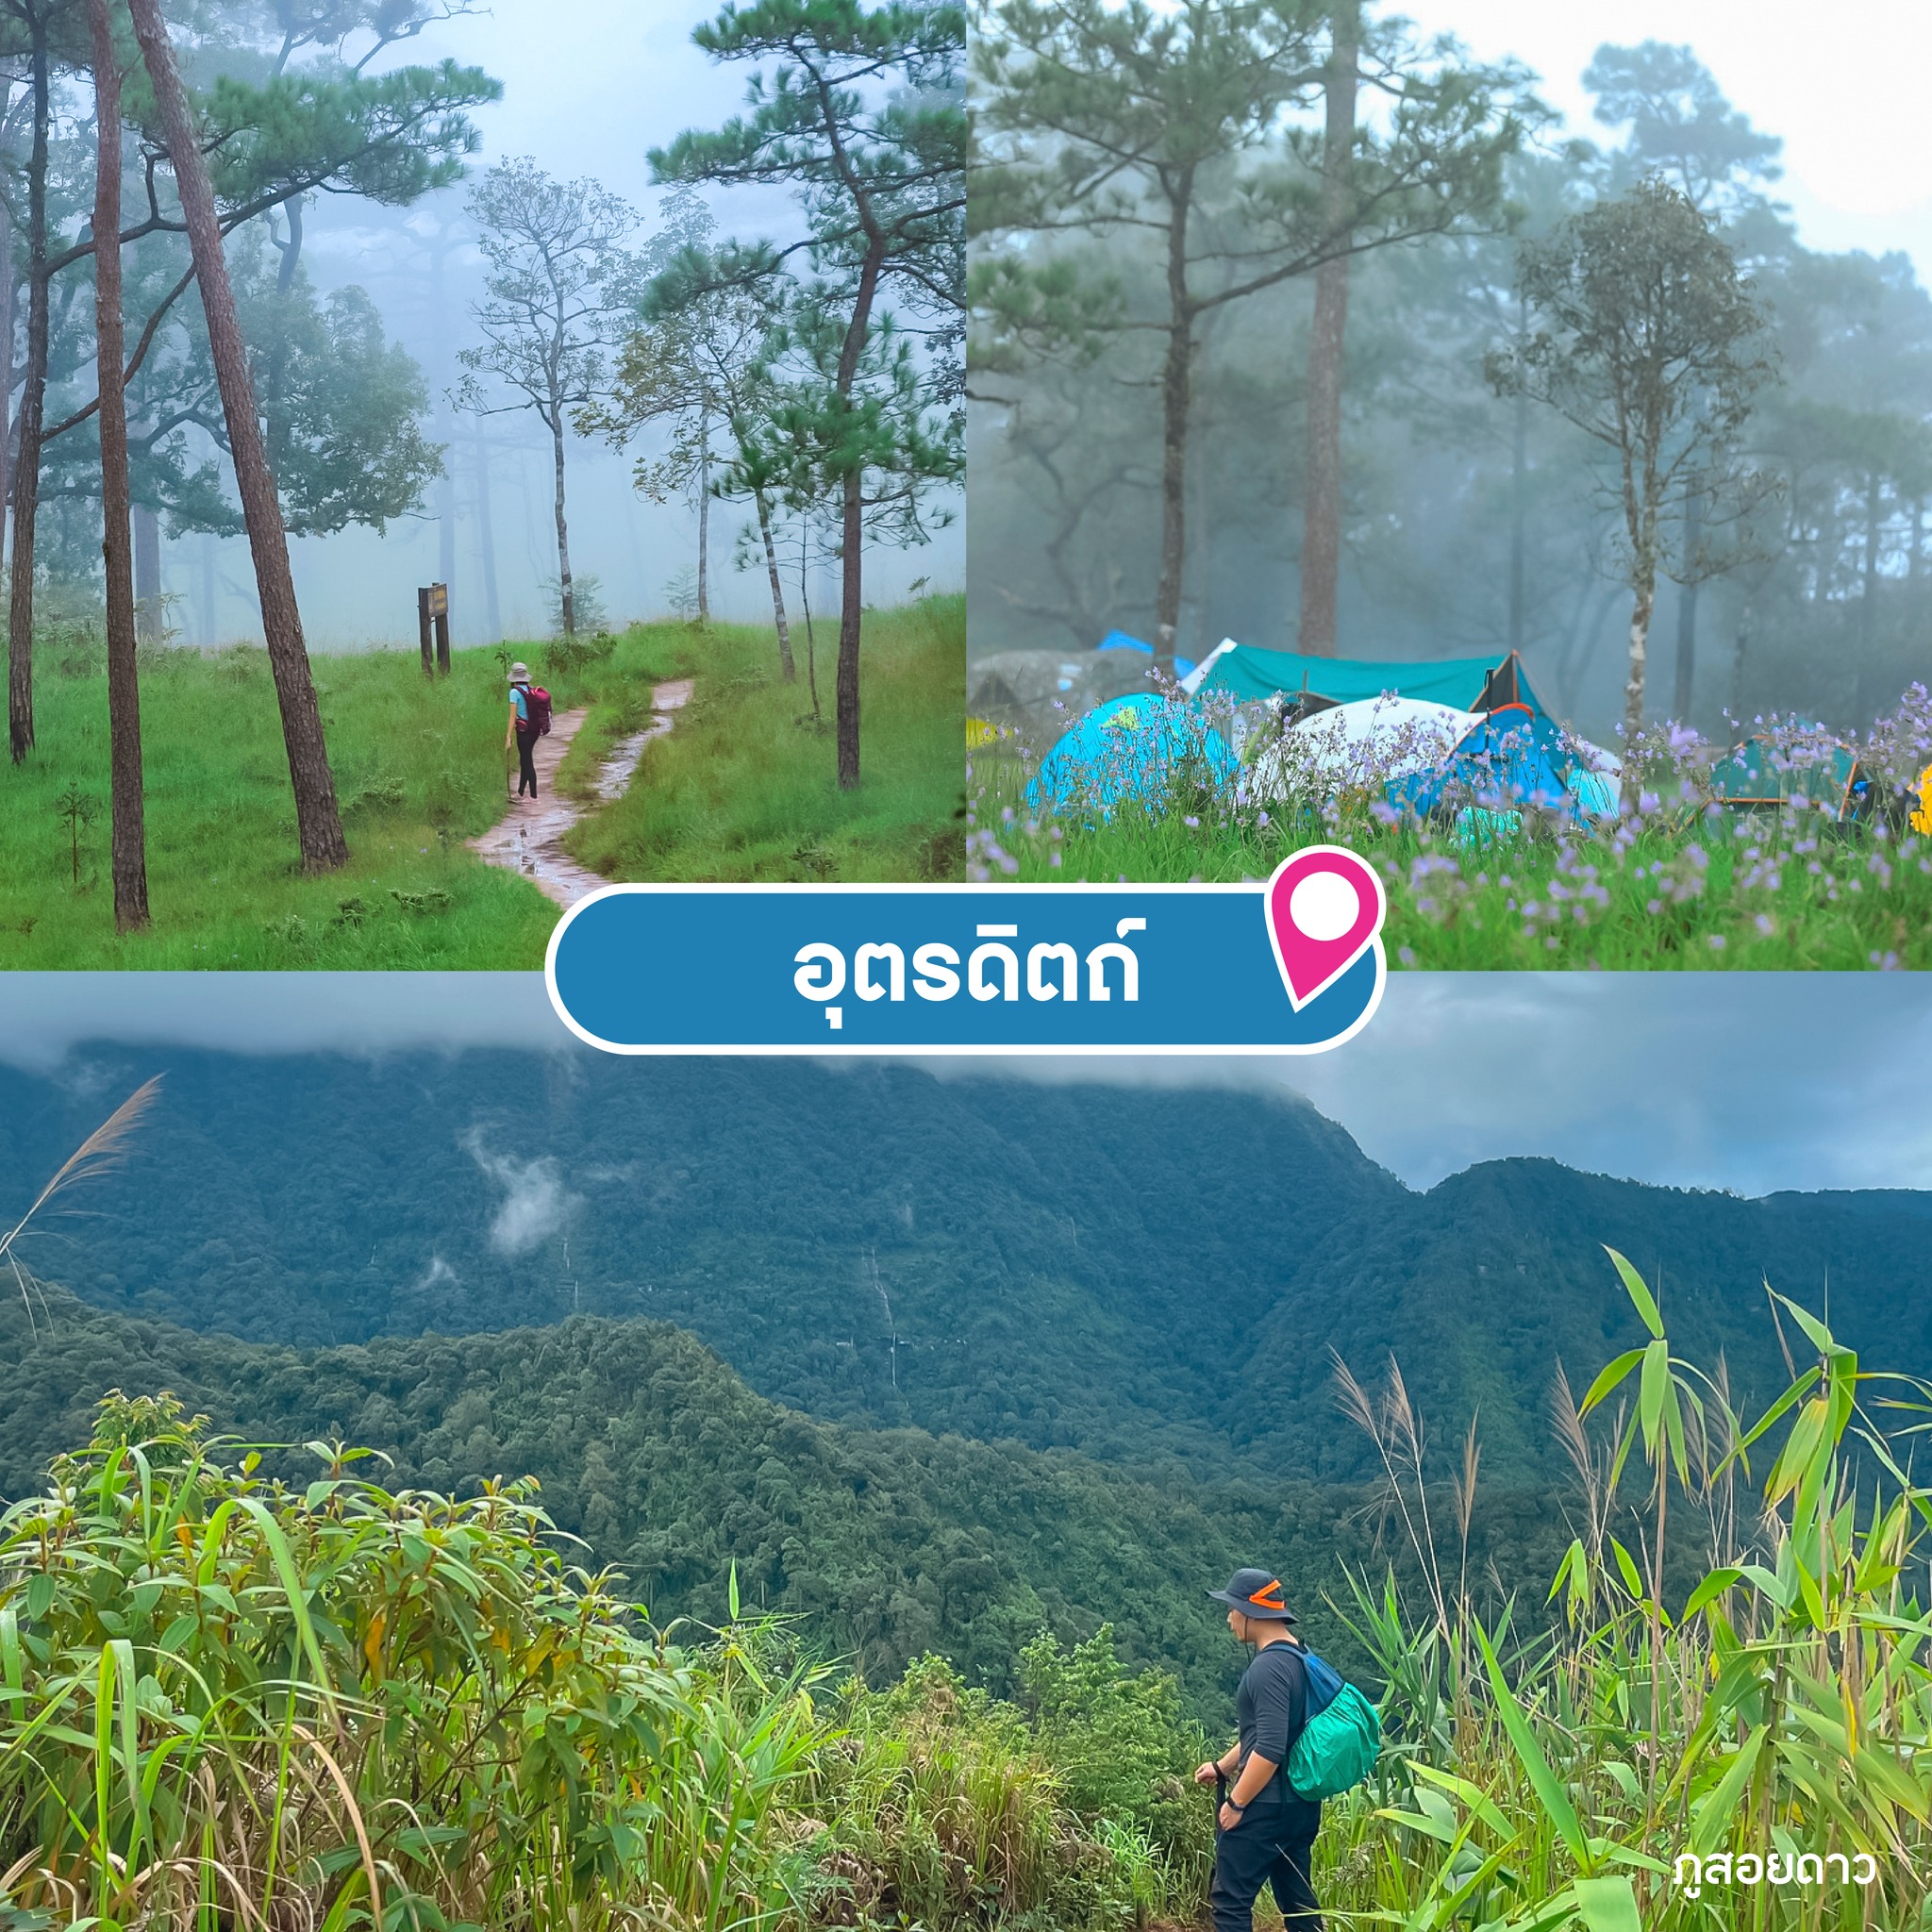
(539,711)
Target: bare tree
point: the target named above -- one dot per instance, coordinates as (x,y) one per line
(559,287)
(129,845)
(699,363)
(318,822)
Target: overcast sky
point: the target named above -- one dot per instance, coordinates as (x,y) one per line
(1748,1082)
(1844,89)
(590,85)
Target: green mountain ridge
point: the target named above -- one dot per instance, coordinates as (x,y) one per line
(1152,1276)
(887,1542)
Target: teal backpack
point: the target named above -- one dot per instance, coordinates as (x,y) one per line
(1341,1739)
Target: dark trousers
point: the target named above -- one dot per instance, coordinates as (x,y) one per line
(527,761)
(1255,1854)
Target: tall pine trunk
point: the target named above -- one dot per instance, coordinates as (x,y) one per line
(318,821)
(1519,493)
(785,663)
(7,289)
(1642,604)
(1686,604)
(1741,650)
(129,841)
(566,589)
(1868,593)
(486,536)
(852,528)
(1176,385)
(446,487)
(147,572)
(704,520)
(1328,342)
(208,591)
(33,403)
(811,653)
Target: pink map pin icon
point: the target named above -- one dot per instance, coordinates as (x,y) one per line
(1325,907)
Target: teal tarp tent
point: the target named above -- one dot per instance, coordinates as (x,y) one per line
(1471,684)
(1818,768)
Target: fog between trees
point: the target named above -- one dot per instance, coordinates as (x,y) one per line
(1472,513)
(377,309)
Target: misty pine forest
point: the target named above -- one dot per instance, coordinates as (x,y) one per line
(1340,364)
(1585,495)
(915,1413)
(368,408)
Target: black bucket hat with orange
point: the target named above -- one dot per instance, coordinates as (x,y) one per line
(1255,1593)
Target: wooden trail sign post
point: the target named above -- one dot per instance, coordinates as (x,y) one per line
(432,619)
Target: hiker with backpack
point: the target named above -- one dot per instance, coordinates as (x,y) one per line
(1305,1735)
(529,719)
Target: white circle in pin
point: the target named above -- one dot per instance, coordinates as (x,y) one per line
(1323,907)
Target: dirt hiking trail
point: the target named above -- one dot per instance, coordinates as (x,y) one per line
(528,839)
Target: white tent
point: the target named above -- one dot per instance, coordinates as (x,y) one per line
(1366,744)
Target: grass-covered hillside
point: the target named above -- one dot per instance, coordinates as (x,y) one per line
(1142,1275)
(238,1676)
(744,787)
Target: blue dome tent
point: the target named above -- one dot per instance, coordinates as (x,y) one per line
(1514,757)
(1137,748)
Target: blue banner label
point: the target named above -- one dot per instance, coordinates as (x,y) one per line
(967,969)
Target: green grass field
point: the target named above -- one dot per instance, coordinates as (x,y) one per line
(419,769)
(739,790)
(1759,889)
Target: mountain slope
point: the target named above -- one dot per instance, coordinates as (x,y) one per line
(1145,1274)
(888,1544)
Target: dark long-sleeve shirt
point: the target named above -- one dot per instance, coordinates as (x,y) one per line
(1270,1708)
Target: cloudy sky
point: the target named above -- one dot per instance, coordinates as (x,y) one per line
(1752,1082)
(1844,91)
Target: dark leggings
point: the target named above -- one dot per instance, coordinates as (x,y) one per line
(527,761)
(1252,1855)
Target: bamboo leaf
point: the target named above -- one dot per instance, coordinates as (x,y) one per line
(1816,1332)
(1609,1377)
(1640,1296)
(1548,1787)
(1712,1818)
(1709,1589)
(1608,1905)
(1653,1390)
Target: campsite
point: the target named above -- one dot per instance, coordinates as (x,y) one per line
(1510,469)
(1503,838)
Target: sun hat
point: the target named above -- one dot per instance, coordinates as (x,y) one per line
(519,673)
(1255,1593)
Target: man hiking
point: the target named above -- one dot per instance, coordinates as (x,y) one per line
(1265,1831)
(523,728)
